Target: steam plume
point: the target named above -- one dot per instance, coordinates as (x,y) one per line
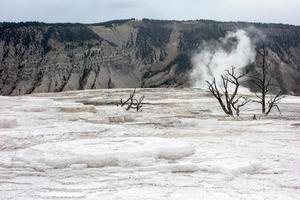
(235,49)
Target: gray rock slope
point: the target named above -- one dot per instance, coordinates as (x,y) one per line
(38,57)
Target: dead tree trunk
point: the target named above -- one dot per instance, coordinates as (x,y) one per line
(263,83)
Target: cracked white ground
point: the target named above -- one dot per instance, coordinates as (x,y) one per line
(79,145)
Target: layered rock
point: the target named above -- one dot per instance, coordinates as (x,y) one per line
(38,57)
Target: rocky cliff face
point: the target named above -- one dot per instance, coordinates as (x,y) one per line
(38,57)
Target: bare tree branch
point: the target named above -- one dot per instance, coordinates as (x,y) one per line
(133,103)
(237,104)
(228,101)
(274,101)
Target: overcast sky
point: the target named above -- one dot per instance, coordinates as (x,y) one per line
(87,11)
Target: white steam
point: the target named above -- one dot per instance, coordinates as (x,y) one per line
(235,49)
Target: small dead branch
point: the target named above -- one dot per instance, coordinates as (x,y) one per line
(132,102)
(130,98)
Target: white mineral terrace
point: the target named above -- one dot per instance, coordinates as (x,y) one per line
(80,145)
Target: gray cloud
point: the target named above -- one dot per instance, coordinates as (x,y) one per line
(277,11)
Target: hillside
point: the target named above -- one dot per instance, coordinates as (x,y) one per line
(39,57)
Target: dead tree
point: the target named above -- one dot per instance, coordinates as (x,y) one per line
(263,84)
(229,102)
(132,102)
